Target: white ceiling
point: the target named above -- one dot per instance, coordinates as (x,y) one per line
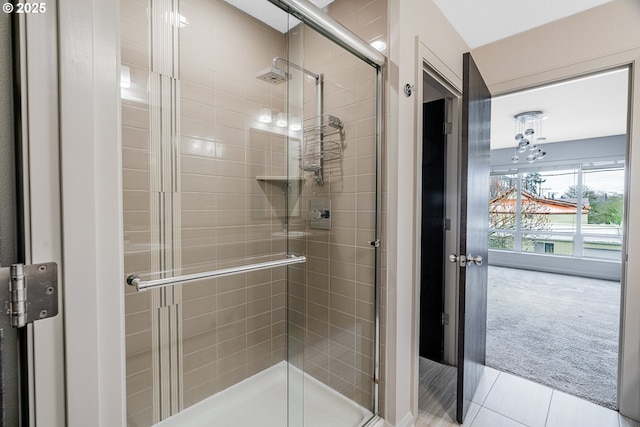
(483,22)
(270,14)
(589,107)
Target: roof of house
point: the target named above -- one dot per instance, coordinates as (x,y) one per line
(505,203)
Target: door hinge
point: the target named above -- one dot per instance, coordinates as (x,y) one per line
(447,128)
(32,293)
(445,319)
(374,243)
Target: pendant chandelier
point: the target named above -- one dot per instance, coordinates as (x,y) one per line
(528,131)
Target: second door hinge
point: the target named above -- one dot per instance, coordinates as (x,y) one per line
(447,128)
(445,319)
(32,293)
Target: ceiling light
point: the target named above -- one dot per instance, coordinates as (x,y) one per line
(379,45)
(295,125)
(265,115)
(281,120)
(528,134)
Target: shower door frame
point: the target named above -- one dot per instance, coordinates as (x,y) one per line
(342,36)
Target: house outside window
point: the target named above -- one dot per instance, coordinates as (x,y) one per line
(569,211)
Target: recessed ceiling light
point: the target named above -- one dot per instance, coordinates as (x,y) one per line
(379,45)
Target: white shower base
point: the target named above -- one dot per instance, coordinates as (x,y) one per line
(261,400)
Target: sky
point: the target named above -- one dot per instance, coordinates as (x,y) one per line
(607,181)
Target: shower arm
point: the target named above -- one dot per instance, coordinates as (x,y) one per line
(296,66)
(319,110)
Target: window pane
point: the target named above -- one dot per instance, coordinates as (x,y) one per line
(549,201)
(500,240)
(548,245)
(604,189)
(503,203)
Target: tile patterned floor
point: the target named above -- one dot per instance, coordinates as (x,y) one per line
(504,400)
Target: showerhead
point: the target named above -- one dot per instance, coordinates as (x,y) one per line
(273,75)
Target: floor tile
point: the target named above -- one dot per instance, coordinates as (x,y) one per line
(568,411)
(472,414)
(519,399)
(489,377)
(448,419)
(488,418)
(447,380)
(430,370)
(628,422)
(436,404)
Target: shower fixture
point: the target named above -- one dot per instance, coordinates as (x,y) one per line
(273,75)
(319,145)
(276,75)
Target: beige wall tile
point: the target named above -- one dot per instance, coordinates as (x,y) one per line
(138,362)
(195,343)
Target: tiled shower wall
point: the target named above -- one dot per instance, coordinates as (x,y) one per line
(234,327)
(231,327)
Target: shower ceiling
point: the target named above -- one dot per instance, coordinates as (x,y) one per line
(271,15)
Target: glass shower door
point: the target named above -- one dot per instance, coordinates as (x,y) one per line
(332,220)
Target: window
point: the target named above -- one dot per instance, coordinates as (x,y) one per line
(570,211)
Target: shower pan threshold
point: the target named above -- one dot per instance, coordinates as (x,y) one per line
(261,400)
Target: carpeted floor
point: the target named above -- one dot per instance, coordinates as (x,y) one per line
(557,330)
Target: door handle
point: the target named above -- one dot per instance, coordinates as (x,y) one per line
(458,258)
(477,260)
(466,259)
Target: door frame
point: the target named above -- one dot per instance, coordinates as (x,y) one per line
(72,161)
(453,113)
(71,167)
(90,170)
(431,65)
(38,167)
(629,343)
(629,355)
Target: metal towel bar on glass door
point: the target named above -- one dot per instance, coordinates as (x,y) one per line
(141,285)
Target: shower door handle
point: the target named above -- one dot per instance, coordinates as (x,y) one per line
(141,285)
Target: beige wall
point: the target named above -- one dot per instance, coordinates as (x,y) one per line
(600,38)
(414,26)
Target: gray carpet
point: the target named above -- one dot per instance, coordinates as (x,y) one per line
(557,330)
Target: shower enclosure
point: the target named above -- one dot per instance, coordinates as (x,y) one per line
(251,212)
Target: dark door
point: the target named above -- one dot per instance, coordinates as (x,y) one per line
(432,240)
(474,214)
(12,341)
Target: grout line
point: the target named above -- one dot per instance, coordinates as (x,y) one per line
(476,416)
(546,420)
(491,388)
(503,415)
